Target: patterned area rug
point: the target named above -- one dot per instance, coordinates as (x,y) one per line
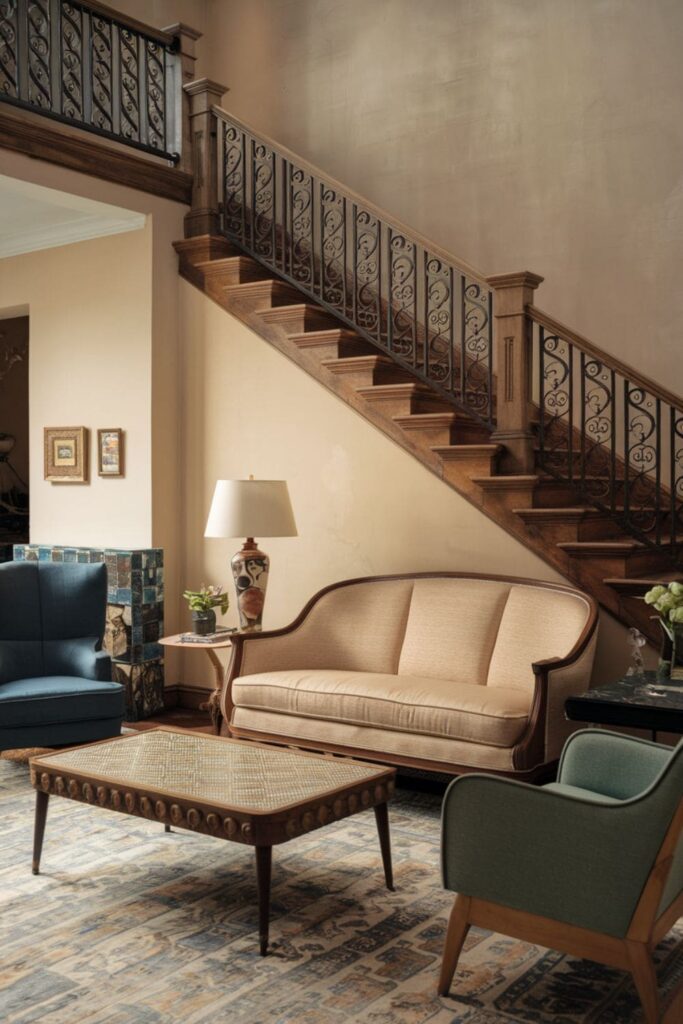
(129,925)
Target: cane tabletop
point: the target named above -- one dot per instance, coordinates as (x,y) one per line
(224,773)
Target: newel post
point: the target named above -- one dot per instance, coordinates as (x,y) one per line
(512,341)
(187,37)
(203,217)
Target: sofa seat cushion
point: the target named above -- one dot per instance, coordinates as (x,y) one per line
(433,707)
(50,700)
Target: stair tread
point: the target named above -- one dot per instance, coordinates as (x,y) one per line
(626,544)
(447,449)
(356,362)
(328,334)
(505,480)
(401,388)
(559,513)
(226,262)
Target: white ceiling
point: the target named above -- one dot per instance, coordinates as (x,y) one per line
(33,217)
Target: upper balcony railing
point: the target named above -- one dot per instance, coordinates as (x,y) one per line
(83,64)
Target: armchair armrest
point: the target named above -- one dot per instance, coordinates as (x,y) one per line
(583,862)
(615,766)
(102,667)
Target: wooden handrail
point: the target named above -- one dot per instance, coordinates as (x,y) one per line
(355,197)
(156,34)
(590,349)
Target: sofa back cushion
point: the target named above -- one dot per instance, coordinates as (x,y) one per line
(452,628)
(49,612)
(537,623)
(21,631)
(488,632)
(356,628)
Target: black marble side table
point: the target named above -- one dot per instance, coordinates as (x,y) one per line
(641,702)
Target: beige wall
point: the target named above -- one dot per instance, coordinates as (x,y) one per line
(537,134)
(363,506)
(104,350)
(90,366)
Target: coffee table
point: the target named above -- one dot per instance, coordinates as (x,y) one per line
(244,792)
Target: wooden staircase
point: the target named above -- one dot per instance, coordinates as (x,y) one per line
(584,543)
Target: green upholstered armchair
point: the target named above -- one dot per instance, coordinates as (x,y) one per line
(55,681)
(591,865)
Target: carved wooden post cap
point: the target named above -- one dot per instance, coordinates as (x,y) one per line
(205,93)
(186,36)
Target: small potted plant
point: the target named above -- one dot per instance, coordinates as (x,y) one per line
(202,603)
(668,601)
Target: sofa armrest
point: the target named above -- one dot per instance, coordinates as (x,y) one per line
(583,862)
(556,679)
(616,766)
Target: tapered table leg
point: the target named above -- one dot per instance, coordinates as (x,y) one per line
(382,819)
(39,828)
(264,858)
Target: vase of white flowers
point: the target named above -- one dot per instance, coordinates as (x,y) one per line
(668,602)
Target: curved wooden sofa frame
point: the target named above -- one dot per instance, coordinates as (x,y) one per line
(529,751)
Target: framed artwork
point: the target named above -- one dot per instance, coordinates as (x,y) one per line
(110,451)
(66,454)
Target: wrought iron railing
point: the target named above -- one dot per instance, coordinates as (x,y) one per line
(85,65)
(611,433)
(432,313)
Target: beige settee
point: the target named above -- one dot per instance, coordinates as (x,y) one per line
(448,671)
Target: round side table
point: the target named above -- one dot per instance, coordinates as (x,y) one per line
(213,704)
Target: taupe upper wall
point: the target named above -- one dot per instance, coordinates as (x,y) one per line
(539,134)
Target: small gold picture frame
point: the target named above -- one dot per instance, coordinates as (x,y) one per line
(66,454)
(110,451)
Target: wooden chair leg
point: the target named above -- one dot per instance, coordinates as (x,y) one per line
(643,971)
(458,927)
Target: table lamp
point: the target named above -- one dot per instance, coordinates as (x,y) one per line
(250,508)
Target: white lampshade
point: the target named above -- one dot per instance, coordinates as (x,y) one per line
(251,508)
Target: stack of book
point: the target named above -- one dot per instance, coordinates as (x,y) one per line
(222,633)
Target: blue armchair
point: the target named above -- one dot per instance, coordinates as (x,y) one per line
(591,865)
(55,681)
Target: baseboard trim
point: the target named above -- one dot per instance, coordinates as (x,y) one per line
(178,695)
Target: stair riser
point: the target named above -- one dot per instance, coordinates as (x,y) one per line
(260,295)
(468,466)
(364,378)
(243,272)
(297,321)
(496,500)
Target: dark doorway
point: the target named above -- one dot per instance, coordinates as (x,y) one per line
(14,497)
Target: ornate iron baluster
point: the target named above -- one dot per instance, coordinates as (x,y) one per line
(438,341)
(156,97)
(9,76)
(598,440)
(130,84)
(38,23)
(72,62)
(676,480)
(641,449)
(367,272)
(556,403)
(301,237)
(475,354)
(402,315)
(333,248)
(263,202)
(101,74)
(234,213)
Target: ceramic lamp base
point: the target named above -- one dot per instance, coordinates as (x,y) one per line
(250,572)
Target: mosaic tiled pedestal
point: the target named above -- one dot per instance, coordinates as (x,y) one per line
(135,617)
